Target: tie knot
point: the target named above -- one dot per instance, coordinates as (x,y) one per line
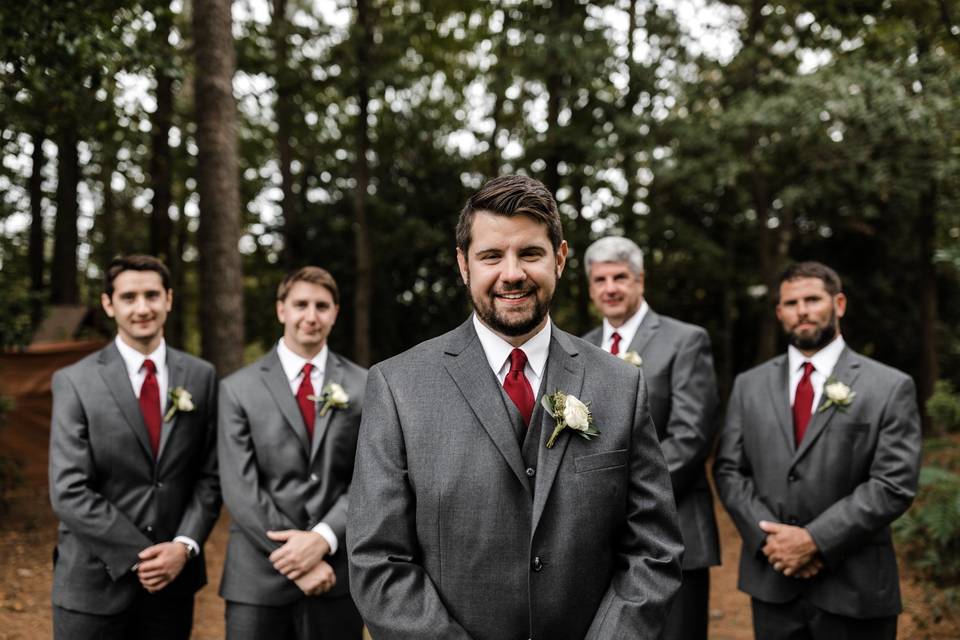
(615,338)
(807,368)
(518,360)
(149,365)
(307,368)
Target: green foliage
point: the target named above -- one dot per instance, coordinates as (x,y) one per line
(943,407)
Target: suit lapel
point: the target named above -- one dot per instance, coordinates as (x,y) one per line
(466,362)
(333,373)
(279,387)
(778,387)
(595,337)
(648,327)
(846,371)
(115,376)
(564,373)
(177,377)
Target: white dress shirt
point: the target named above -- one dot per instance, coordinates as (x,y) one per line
(292,365)
(627,330)
(134,360)
(498,352)
(823,363)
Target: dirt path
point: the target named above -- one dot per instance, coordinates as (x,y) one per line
(28,533)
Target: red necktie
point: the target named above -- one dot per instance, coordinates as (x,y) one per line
(308,406)
(803,404)
(615,344)
(150,405)
(518,387)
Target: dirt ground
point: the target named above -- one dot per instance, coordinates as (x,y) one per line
(28,532)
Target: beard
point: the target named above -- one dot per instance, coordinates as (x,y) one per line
(486,310)
(818,339)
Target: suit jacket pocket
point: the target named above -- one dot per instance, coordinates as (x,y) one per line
(604,460)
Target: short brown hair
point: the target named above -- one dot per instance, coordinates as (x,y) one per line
(511,196)
(313,275)
(811,269)
(136,262)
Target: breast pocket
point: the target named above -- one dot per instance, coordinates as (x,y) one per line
(600,461)
(601,487)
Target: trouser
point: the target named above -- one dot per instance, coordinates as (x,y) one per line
(801,620)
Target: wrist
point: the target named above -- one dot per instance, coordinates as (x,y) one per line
(188,551)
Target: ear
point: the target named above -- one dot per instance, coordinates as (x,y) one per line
(280,311)
(107,305)
(169,300)
(562,257)
(464,267)
(840,304)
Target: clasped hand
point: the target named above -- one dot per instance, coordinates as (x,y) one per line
(301,559)
(791,550)
(160,564)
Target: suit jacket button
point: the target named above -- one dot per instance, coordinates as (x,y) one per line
(314,477)
(530,472)
(537,564)
(791,478)
(149,529)
(792,520)
(159,485)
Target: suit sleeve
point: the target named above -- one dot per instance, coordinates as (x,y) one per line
(734,477)
(204,506)
(889,488)
(393,592)
(106,531)
(692,425)
(648,567)
(251,507)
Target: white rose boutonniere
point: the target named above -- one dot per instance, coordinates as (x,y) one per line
(333,396)
(838,394)
(180,400)
(569,412)
(631,357)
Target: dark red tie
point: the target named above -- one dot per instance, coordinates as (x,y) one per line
(150,405)
(308,405)
(518,387)
(615,344)
(803,404)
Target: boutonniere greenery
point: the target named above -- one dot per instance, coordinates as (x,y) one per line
(180,400)
(569,412)
(838,395)
(631,357)
(333,396)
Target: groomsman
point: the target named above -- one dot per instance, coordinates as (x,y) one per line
(473,515)
(133,475)
(819,454)
(287,441)
(678,367)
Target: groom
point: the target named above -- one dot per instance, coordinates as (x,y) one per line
(463,522)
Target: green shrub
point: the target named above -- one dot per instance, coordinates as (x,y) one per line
(943,407)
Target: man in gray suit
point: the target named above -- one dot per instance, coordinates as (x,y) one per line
(133,476)
(287,441)
(819,454)
(471,515)
(678,367)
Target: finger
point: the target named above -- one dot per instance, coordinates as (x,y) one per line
(280,536)
(148,553)
(770,527)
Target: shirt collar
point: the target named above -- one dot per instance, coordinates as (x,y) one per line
(293,364)
(498,350)
(628,329)
(823,361)
(133,359)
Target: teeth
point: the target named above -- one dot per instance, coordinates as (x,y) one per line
(512,296)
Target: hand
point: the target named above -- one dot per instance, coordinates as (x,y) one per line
(788,548)
(301,551)
(319,580)
(809,570)
(160,564)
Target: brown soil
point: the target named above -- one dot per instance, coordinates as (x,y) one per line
(28,531)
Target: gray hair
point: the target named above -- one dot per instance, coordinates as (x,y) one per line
(615,249)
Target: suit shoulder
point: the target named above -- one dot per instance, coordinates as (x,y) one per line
(759,373)
(247,373)
(350,367)
(80,368)
(427,352)
(881,372)
(194,362)
(682,328)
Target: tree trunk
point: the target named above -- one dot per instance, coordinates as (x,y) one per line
(36,246)
(929,299)
(221,276)
(161,176)
(292,228)
(64,287)
(501,79)
(363,294)
(628,220)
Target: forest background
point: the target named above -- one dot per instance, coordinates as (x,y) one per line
(238,140)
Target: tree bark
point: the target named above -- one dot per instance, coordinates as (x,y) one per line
(161,175)
(363,293)
(629,221)
(35,249)
(292,228)
(221,276)
(64,288)
(929,299)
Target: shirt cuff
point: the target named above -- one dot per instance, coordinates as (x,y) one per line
(324,529)
(190,542)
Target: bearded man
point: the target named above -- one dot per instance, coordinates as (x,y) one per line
(509,483)
(819,454)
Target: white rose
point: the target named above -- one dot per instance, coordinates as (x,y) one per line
(184,401)
(337,394)
(632,357)
(575,414)
(837,392)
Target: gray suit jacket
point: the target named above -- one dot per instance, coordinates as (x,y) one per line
(453,536)
(112,500)
(678,368)
(273,479)
(854,472)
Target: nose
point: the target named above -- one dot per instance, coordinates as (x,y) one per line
(512,269)
(140,305)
